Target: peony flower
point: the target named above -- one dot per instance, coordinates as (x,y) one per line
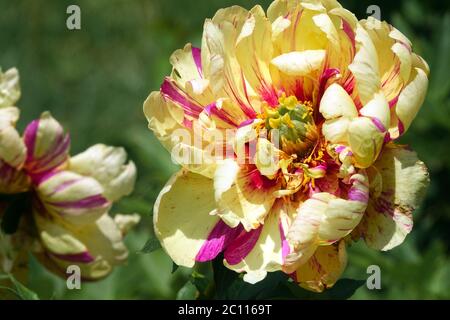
(315,100)
(66,199)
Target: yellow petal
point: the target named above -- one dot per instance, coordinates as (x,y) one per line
(249,198)
(96,248)
(365,66)
(254,38)
(325,219)
(336,102)
(267,158)
(378,110)
(338,109)
(300,63)
(365,141)
(9,87)
(12,180)
(47,145)
(336,130)
(183,216)
(323,269)
(267,254)
(163,118)
(404,181)
(12,148)
(108,166)
(72,197)
(412,98)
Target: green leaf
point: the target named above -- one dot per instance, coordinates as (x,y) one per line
(174,267)
(200,281)
(19,289)
(223,278)
(342,290)
(230,285)
(276,285)
(151,245)
(188,292)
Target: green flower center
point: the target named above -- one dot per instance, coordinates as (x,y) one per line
(294,123)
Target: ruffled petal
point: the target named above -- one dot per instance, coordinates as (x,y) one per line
(365,140)
(268,246)
(338,109)
(47,145)
(12,148)
(96,248)
(410,101)
(243,195)
(325,219)
(365,66)
(108,166)
(183,216)
(404,180)
(267,158)
(70,196)
(12,180)
(163,117)
(9,88)
(125,222)
(256,66)
(220,47)
(323,269)
(300,63)
(183,138)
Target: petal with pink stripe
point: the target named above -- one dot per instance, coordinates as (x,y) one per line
(47,144)
(74,197)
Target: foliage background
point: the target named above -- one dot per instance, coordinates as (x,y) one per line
(95,80)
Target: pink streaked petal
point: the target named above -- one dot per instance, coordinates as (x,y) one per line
(259,181)
(94,201)
(339,149)
(350,33)
(326,75)
(219,238)
(170,91)
(30,137)
(269,95)
(241,246)
(380,126)
(212,110)
(246,123)
(285,249)
(233,92)
(84,257)
(197,56)
(393,102)
(54,157)
(356,193)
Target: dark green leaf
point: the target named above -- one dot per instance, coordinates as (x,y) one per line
(174,267)
(19,289)
(151,245)
(342,290)
(199,281)
(188,292)
(223,278)
(230,285)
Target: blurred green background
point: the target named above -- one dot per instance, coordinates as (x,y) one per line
(95,80)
